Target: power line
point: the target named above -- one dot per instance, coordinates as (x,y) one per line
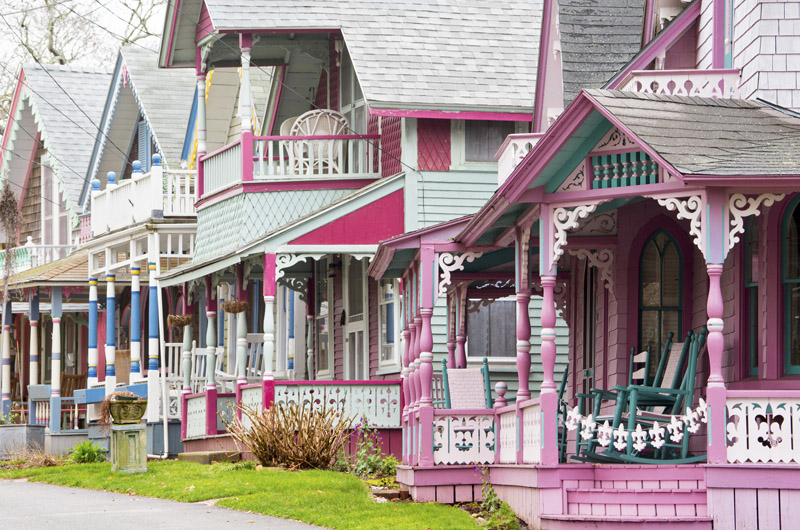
(29,9)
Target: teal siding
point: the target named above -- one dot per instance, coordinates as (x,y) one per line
(231,223)
(443,196)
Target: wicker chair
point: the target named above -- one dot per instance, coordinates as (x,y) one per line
(318,157)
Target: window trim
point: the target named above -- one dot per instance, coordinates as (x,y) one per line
(679,308)
(328,373)
(393,365)
(346,264)
(750,290)
(458,148)
(788,368)
(504,360)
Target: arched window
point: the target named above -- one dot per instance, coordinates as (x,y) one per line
(660,297)
(751,271)
(790,279)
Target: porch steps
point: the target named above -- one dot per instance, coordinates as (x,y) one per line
(600,522)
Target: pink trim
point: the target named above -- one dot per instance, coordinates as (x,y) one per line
(647,28)
(211,412)
(778,394)
(773,476)
(544,49)
(787,382)
(757,182)
(718,36)
(617,496)
(463,412)
(247,156)
(12,112)
(453,114)
(279,31)
(323,137)
(277,101)
(176,13)
(263,186)
(22,192)
(269,274)
(205,26)
(660,43)
(348,382)
(245,40)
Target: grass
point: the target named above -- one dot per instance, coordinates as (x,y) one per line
(324,498)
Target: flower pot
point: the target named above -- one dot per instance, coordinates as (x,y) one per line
(127,411)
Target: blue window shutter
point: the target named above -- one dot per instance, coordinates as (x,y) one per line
(144,146)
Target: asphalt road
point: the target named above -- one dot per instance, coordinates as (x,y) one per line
(28,505)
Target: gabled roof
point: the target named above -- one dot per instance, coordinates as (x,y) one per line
(408,54)
(139,87)
(590,53)
(66,103)
(688,136)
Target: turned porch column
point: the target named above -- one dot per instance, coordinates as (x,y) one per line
(55,362)
(269,329)
(241,331)
(310,307)
(92,339)
(111,336)
(5,405)
(427,279)
(136,326)
(548,396)
(451,329)
(186,348)
(523,285)
(200,70)
(153,391)
(211,334)
(461,322)
(246,107)
(33,315)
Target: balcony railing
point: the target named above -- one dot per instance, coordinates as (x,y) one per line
(511,153)
(156,194)
(290,157)
(30,255)
(700,83)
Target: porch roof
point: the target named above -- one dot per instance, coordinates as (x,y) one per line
(70,271)
(449,54)
(283,238)
(691,137)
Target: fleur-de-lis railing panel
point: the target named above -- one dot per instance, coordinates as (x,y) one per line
(463,439)
(251,398)
(378,403)
(765,429)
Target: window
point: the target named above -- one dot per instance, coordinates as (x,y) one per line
(55,216)
(492,329)
(790,279)
(751,271)
(322,300)
(482,139)
(388,322)
(660,301)
(589,329)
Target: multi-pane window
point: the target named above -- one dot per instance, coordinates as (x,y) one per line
(482,139)
(790,278)
(660,301)
(388,309)
(322,317)
(492,329)
(751,271)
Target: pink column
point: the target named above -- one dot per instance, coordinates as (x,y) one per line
(451,331)
(548,395)
(405,415)
(523,346)
(426,357)
(406,361)
(716,393)
(461,321)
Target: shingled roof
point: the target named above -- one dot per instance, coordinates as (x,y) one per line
(705,136)
(68,101)
(164,97)
(448,54)
(598,37)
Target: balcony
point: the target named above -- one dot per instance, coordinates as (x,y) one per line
(158,194)
(699,83)
(263,158)
(514,149)
(30,255)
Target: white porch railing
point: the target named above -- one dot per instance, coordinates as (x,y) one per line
(142,197)
(507,440)
(463,437)
(222,168)
(514,149)
(763,426)
(316,156)
(702,83)
(29,256)
(378,403)
(532,432)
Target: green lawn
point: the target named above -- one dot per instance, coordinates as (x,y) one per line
(325,498)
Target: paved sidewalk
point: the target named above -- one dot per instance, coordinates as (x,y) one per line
(28,505)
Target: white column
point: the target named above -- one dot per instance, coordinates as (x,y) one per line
(137,374)
(55,363)
(92,342)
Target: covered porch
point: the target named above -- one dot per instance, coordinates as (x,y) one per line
(637,231)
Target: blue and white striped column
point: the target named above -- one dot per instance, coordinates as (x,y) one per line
(111,336)
(153,392)
(55,362)
(136,326)
(5,404)
(33,317)
(92,346)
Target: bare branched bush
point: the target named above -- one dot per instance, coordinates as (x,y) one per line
(298,437)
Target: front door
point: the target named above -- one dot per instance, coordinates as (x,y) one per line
(355,331)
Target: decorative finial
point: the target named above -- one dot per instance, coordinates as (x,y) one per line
(112,177)
(95,184)
(500,388)
(137,166)
(156,159)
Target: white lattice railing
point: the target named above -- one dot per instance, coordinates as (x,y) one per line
(378,402)
(196,416)
(463,437)
(316,156)
(222,168)
(509,433)
(701,83)
(763,427)
(511,153)
(29,256)
(531,432)
(135,199)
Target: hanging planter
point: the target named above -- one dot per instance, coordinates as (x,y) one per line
(235,306)
(179,321)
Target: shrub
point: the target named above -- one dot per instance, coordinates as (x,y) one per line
(370,458)
(298,437)
(10,419)
(497,515)
(87,452)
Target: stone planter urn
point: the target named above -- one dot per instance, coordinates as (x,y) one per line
(127,411)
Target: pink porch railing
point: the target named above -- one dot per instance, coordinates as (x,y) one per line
(279,157)
(701,83)
(377,401)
